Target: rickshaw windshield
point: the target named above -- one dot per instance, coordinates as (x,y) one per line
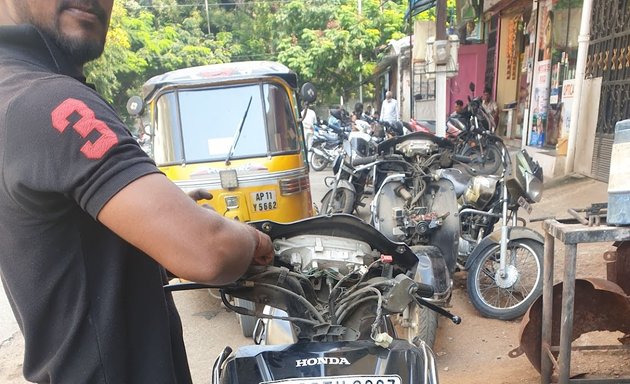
(206,126)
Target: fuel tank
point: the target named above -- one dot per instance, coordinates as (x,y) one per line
(351,362)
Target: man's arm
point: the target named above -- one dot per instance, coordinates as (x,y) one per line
(194,243)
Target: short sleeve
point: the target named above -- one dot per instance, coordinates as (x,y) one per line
(63,141)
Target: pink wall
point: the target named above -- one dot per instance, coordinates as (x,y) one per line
(472,67)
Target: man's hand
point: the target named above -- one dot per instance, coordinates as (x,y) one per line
(200,194)
(264,253)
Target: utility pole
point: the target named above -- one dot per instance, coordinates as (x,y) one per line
(207,17)
(440,70)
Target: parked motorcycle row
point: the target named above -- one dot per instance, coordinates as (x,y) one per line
(357,301)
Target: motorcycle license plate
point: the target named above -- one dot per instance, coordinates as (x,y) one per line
(523,203)
(354,379)
(264,201)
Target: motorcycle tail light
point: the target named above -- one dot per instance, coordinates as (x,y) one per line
(294,185)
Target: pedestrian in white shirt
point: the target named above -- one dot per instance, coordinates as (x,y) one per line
(389,109)
(309,119)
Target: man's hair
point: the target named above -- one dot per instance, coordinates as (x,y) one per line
(487,90)
(459,102)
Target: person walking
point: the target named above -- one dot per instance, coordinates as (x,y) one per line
(88,224)
(389,108)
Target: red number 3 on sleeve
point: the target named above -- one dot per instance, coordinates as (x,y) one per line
(84,126)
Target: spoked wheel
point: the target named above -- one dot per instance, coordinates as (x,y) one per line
(486,164)
(419,323)
(509,296)
(318,163)
(343,202)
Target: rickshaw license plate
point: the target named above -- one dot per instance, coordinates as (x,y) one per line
(264,201)
(354,379)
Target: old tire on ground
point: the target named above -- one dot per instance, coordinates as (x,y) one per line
(509,297)
(342,203)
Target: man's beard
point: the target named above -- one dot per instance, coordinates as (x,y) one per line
(79,51)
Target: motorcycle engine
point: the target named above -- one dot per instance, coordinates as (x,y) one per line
(324,259)
(413,148)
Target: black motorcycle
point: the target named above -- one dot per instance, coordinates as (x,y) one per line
(353,170)
(337,285)
(504,265)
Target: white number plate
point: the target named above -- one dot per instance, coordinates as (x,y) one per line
(523,203)
(355,379)
(264,201)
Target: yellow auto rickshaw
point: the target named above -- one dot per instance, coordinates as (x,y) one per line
(231,129)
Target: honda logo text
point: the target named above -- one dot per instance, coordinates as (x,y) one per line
(322,360)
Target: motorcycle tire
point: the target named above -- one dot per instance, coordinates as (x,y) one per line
(423,325)
(489,165)
(521,286)
(247,323)
(342,203)
(318,163)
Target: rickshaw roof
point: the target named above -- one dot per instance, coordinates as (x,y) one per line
(207,74)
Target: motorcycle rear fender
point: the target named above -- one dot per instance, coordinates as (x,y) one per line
(514,233)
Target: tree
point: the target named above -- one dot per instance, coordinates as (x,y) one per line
(322,40)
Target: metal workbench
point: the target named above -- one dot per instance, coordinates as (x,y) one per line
(571,234)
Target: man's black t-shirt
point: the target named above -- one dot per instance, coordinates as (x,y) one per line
(90,305)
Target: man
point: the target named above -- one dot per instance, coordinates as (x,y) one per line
(389,109)
(490,106)
(86,219)
(309,120)
(459,106)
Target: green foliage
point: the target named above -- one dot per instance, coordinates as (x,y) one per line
(327,42)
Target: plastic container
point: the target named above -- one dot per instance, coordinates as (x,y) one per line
(619,180)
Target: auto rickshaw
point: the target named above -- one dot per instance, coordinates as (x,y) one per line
(233,130)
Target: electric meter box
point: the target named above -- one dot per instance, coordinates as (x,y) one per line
(443,52)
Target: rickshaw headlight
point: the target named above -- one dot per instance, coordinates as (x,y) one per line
(229,178)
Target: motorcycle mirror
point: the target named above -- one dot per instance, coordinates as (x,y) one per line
(308,92)
(471,86)
(135,106)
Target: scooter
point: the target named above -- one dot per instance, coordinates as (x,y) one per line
(338,284)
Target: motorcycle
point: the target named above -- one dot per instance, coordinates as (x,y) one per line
(325,144)
(337,285)
(505,265)
(414,204)
(473,135)
(353,172)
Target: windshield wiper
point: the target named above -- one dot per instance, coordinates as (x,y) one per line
(237,134)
